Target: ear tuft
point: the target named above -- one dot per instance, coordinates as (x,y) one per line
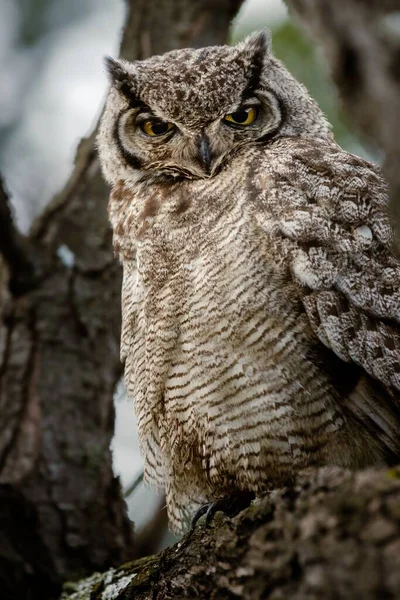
(120,77)
(115,70)
(253,50)
(258,43)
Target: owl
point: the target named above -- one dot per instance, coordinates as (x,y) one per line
(261,296)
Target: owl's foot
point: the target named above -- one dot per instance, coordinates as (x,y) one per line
(230,505)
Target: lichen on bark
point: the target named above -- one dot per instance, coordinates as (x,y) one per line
(331,534)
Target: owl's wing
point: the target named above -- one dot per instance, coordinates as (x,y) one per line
(335,225)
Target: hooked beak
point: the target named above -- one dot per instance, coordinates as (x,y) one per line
(204,153)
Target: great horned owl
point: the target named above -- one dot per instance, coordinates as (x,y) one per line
(260,298)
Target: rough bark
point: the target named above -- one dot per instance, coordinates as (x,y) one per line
(59,364)
(61,511)
(361,42)
(333,535)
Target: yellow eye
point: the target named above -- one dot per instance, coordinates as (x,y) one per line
(153,127)
(245,115)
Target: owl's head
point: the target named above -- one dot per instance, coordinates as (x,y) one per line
(185,114)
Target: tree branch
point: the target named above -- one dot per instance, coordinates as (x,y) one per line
(15,249)
(334,534)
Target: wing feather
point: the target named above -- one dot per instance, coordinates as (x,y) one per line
(331,208)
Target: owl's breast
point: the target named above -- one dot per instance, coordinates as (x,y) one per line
(220,348)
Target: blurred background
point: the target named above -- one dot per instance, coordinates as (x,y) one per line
(53,88)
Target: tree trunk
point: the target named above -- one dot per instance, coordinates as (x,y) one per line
(61,511)
(361,42)
(334,535)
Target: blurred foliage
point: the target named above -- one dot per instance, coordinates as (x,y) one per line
(40,17)
(33,23)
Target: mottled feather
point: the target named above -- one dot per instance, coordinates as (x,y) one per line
(260,300)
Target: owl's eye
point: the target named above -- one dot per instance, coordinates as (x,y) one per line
(246,115)
(153,127)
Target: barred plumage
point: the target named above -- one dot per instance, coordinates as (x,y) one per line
(260,296)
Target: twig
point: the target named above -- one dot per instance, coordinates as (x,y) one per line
(135,483)
(149,539)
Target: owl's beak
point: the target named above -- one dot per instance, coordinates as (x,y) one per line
(204,153)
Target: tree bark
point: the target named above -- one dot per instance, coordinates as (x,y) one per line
(361,42)
(61,511)
(333,535)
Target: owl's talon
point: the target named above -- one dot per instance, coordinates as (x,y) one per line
(229,505)
(214,508)
(203,510)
